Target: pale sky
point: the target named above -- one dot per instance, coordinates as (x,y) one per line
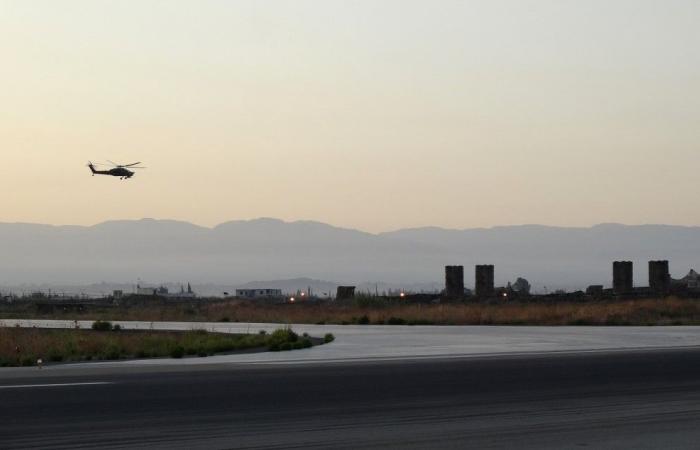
(368,114)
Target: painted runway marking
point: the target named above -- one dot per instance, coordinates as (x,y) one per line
(26,386)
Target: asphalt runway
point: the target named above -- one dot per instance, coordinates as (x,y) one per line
(631,399)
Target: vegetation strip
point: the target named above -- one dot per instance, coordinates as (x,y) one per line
(32,346)
(371,311)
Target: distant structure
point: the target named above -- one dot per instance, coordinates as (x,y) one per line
(521,286)
(258,293)
(150,291)
(189,293)
(692,280)
(483,286)
(454,281)
(623,274)
(345,292)
(659,276)
(595,290)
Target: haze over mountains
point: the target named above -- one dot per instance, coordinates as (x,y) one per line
(238,252)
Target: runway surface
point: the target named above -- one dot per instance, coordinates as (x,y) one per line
(386,342)
(642,399)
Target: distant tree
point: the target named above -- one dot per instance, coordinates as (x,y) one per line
(522,286)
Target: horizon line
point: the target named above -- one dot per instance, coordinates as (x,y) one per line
(340,227)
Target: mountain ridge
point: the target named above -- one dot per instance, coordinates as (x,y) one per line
(236,252)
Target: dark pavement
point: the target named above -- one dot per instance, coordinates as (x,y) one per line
(644,399)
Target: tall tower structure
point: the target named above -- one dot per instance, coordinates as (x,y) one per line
(483,280)
(454,281)
(623,275)
(659,276)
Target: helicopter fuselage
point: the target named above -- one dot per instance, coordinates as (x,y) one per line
(120,172)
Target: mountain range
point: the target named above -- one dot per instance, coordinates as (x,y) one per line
(236,252)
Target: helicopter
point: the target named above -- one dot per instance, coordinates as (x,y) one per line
(118,170)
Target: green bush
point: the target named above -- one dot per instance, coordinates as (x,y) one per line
(102,325)
(116,327)
(28,361)
(396,321)
(177,352)
(283,335)
(363,320)
(286,346)
(112,352)
(328,338)
(306,343)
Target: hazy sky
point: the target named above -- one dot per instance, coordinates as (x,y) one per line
(369,114)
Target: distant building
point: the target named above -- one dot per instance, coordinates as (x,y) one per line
(345,292)
(258,293)
(189,293)
(140,290)
(692,280)
(595,290)
(483,280)
(454,281)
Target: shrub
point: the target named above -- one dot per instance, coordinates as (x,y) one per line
(101,325)
(116,327)
(396,321)
(112,352)
(283,335)
(177,352)
(286,346)
(28,361)
(262,332)
(224,319)
(306,343)
(274,347)
(328,338)
(363,320)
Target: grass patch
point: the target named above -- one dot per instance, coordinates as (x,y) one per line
(24,346)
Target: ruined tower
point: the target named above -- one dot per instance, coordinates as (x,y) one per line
(622,277)
(454,281)
(483,285)
(659,277)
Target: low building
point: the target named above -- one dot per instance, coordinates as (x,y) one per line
(258,293)
(151,291)
(692,280)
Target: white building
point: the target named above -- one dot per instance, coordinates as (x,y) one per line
(258,293)
(692,280)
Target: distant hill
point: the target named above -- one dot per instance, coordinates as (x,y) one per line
(234,253)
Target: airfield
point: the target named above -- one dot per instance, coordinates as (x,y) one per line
(374,386)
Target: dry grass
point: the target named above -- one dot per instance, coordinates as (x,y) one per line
(23,346)
(669,311)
